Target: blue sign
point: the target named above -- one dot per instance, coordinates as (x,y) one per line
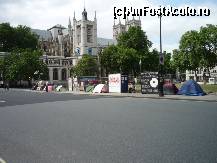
(77,51)
(89,51)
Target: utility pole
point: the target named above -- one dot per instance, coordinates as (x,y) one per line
(161,64)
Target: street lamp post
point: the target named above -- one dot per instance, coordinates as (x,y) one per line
(140,65)
(160,71)
(99,64)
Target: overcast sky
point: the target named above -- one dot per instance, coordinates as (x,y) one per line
(43,14)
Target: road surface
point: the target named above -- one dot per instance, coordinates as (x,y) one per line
(52,128)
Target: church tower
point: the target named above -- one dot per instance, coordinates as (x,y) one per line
(133,23)
(85,35)
(70,31)
(117,29)
(120,28)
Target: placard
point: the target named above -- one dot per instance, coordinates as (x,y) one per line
(149,83)
(115,83)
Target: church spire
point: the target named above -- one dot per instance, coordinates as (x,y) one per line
(84,14)
(70,24)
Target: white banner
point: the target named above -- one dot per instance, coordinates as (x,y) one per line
(115,83)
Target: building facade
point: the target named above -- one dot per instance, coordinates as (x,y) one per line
(120,28)
(85,35)
(202,74)
(63,47)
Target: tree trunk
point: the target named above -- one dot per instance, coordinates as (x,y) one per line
(195,73)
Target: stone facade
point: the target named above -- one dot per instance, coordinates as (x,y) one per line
(63,47)
(85,35)
(120,28)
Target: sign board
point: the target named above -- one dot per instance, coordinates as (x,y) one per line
(149,83)
(114,83)
(89,51)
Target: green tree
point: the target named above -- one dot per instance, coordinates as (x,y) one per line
(190,50)
(19,37)
(24,58)
(124,57)
(25,39)
(208,45)
(119,59)
(151,61)
(168,64)
(135,38)
(127,60)
(7,37)
(198,49)
(21,65)
(1,64)
(86,66)
(109,60)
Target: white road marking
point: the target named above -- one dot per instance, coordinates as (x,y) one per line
(1,101)
(2,161)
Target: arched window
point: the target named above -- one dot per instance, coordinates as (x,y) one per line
(55,74)
(64,74)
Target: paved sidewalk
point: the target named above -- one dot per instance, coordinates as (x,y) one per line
(209,97)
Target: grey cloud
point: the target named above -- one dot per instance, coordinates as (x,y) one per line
(6,2)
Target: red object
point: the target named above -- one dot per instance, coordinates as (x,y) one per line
(50,88)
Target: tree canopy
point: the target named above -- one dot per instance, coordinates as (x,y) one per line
(19,37)
(197,49)
(21,65)
(135,38)
(109,60)
(86,66)
(24,57)
(125,57)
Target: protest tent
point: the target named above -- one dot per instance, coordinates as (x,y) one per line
(101,88)
(191,88)
(170,89)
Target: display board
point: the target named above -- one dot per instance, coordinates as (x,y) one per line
(149,83)
(114,83)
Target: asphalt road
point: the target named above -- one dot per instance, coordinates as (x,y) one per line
(53,128)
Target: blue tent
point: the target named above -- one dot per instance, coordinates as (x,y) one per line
(191,88)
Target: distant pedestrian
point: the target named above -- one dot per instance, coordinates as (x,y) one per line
(6,85)
(46,87)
